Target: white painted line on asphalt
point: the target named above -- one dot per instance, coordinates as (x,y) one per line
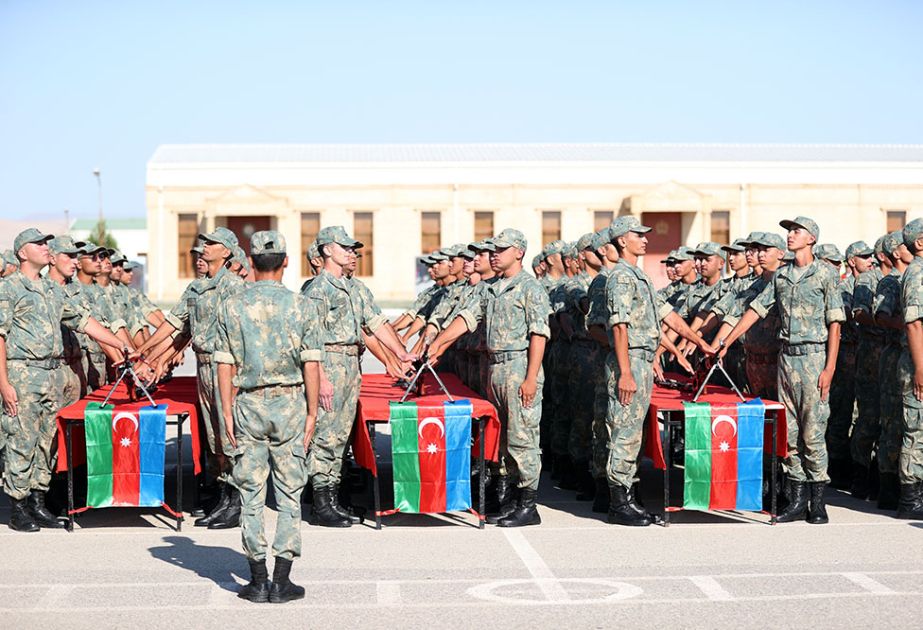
(710,587)
(388,593)
(536,566)
(864,581)
(54,596)
(222,592)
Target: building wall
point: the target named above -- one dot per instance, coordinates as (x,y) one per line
(849,202)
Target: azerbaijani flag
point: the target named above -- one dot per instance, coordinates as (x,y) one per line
(724,456)
(125,455)
(431,455)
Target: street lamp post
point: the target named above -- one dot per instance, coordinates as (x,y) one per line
(99,186)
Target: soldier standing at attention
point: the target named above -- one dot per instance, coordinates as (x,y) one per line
(9,263)
(515,312)
(268,355)
(32,377)
(342,315)
(811,312)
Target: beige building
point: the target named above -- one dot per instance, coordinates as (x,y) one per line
(405,199)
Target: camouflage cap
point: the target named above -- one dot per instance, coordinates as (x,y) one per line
(624,224)
(9,257)
(467,253)
(879,244)
(337,234)
(554,247)
(198,248)
(30,235)
(671,257)
(85,248)
(739,245)
(770,239)
(510,237)
(803,222)
(482,246)
(454,251)
(601,238)
(912,231)
(586,241)
(751,239)
(709,248)
(312,252)
(828,251)
(859,248)
(267,242)
(239,256)
(892,241)
(220,235)
(570,251)
(682,254)
(537,261)
(131,265)
(63,245)
(438,256)
(117,257)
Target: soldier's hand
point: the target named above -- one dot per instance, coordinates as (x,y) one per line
(326,394)
(230,436)
(823,383)
(309,426)
(10,400)
(527,392)
(658,371)
(627,388)
(683,362)
(407,357)
(917,385)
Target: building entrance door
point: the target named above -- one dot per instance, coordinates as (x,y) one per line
(666,235)
(244,228)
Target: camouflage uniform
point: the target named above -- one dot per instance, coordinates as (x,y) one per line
(806,307)
(195,316)
(868,355)
(268,332)
(556,386)
(910,464)
(513,309)
(843,388)
(599,316)
(888,303)
(631,300)
(74,377)
(586,356)
(94,361)
(344,311)
(30,314)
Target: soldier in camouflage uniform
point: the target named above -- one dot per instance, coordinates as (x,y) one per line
(552,254)
(910,464)
(456,288)
(811,312)
(843,388)
(32,377)
(268,353)
(635,315)
(9,264)
(478,361)
(61,272)
(888,315)
(516,312)
(344,312)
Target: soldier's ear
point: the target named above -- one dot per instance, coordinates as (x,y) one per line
(285,262)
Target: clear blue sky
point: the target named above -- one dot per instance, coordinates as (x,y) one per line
(86,84)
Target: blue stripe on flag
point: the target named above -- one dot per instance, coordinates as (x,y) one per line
(458,455)
(152,430)
(750,421)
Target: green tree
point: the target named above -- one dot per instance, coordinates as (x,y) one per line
(101,236)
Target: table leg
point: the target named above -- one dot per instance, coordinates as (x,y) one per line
(772,485)
(668,463)
(69,448)
(375,487)
(481,481)
(180,419)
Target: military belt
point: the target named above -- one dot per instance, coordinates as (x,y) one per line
(642,353)
(802,349)
(42,364)
(504,356)
(350,349)
(269,391)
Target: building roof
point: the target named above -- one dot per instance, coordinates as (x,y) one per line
(115,223)
(168,154)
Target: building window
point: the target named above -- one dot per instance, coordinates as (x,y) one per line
(363,232)
(187,229)
(310,226)
(896,220)
(430,231)
(483,225)
(721,227)
(551,226)
(602,219)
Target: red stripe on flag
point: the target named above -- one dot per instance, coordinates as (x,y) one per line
(723,459)
(126,457)
(431,439)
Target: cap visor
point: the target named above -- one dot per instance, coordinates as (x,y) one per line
(791,224)
(641,229)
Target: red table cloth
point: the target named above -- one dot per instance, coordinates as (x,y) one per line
(667,399)
(378,390)
(179,395)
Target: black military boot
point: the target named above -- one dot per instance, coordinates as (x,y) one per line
(860,482)
(322,512)
(889,491)
(258,589)
(586,488)
(339,509)
(21,519)
(40,513)
(840,473)
(874,480)
(817,511)
(797,505)
(501,495)
(508,506)
(221,506)
(526,513)
(911,503)
(568,479)
(601,499)
(622,511)
(282,589)
(230,516)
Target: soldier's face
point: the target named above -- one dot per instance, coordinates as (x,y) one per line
(431,272)
(213,251)
(671,272)
(469,267)
(90,265)
(127,277)
(201,266)
(116,273)
(65,264)
(769,255)
(36,253)
(751,256)
(861,263)
(635,244)
(502,259)
(591,259)
(610,252)
(699,263)
(105,265)
(904,254)
(457,265)
(799,238)
(482,262)
(712,265)
(441,269)
(683,267)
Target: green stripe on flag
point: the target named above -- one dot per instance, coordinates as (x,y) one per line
(98,423)
(405,457)
(697,477)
